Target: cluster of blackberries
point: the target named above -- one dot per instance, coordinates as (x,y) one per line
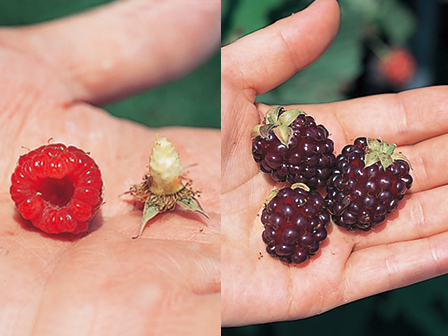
(364,183)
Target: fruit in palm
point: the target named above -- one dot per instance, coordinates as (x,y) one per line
(294,220)
(291,147)
(163,188)
(58,188)
(367,183)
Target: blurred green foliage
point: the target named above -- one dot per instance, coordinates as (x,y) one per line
(331,75)
(24,12)
(194,100)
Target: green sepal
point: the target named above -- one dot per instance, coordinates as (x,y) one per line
(284,134)
(388,148)
(383,152)
(261,130)
(264,130)
(373,145)
(279,123)
(272,115)
(255,131)
(190,203)
(288,117)
(370,159)
(149,212)
(401,156)
(385,159)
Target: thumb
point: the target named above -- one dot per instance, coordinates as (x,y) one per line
(265,59)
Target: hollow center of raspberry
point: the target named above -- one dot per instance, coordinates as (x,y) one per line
(56,191)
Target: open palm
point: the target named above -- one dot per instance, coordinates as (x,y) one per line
(409,247)
(103,282)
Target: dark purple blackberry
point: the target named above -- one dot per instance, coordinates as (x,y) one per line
(294,220)
(291,147)
(367,183)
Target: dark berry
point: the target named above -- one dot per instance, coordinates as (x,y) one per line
(367,184)
(292,148)
(295,224)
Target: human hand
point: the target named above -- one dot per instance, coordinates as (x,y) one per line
(103,282)
(409,247)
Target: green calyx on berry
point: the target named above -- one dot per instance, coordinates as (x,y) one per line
(279,123)
(383,152)
(163,188)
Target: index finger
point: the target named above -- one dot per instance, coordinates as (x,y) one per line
(265,59)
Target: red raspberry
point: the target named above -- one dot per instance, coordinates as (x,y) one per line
(367,183)
(58,188)
(294,219)
(398,67)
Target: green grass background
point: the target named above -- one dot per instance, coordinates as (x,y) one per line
(191,101)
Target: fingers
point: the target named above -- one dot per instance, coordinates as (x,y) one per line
(405,118)
(106,283)
(378,269)
(416,120)
(126,46)
(419,216)
(428,159)
(270,56)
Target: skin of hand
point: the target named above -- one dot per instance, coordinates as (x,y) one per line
(167,282)
(409,247)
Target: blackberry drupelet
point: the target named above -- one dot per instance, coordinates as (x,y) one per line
(291,147)
(367,183)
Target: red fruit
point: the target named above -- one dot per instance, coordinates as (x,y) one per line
(367,183)
(294,220)
(57,188)
(291,147)
(398,67)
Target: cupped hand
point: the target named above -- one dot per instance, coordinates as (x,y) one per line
(103,282)
(409,247)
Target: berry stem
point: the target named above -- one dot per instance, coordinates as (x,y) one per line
(301,186)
